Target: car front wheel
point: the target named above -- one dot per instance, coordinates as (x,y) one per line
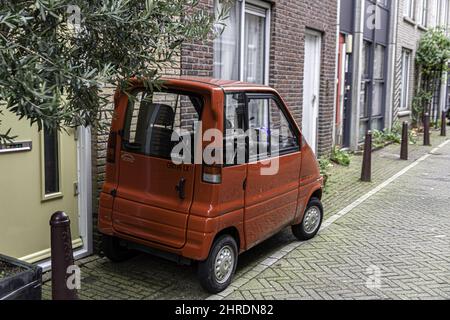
(216,273)
(312,220)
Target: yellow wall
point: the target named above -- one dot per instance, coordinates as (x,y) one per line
(24,215)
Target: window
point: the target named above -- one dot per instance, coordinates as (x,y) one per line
(366,85)
(281,131)
(51,162)
(423,13)
(271,134)
(444,13)
(437,12)
(378,89)
(408,8)
(241,51)
(258,123)
(406,71)
(152,119)
(235,129)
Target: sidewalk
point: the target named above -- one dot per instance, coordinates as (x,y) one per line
(147,277)
(394,244)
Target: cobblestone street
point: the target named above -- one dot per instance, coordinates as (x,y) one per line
(393,243)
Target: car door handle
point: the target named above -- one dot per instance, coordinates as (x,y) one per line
(181,189)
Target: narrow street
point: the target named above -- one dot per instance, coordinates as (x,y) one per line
(395,245)
(386,240)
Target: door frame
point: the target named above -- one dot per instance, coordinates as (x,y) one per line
(319,36)
(84,173)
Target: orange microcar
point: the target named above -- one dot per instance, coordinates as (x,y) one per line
(203,170)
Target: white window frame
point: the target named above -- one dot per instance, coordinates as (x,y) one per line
(59,194)
(423,12)
(408,9)
(404,90)
(241,40)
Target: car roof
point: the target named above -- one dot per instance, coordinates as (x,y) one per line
(227,85)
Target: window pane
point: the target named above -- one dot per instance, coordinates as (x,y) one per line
(377,103)
(377,124)
(258,113)
(366,59)
(379,62)
(406,65)
(364,96)
(254,46)
(363,130)
(153,118)
(235,129)
(282,137)
(51,158)
(226,47)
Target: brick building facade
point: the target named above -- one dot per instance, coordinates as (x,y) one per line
(414,19)
(286,23)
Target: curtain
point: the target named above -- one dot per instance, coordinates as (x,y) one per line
(226,47)
(254,48)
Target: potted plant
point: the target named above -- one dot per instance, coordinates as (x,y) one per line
(19,280)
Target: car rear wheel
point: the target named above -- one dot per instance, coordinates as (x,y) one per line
(115,250)
(216,273)
(312,220)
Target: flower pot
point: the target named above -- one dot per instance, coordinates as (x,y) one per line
(20,280)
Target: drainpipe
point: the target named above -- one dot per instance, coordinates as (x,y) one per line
(390,85)
(358,37)
(336,75)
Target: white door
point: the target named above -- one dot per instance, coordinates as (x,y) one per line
(311,87)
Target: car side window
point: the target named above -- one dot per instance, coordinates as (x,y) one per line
(259,129)
(234,127)
(281,131)
(271,132)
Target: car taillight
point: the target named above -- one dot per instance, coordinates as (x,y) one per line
(212,174)
(111,152)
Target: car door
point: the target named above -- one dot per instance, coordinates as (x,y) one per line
(274,158)
(154,194)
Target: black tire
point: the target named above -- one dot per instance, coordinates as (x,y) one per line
(114,250)
(300,230)
(206,269)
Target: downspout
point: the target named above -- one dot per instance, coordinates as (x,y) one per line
(357,73)
(336,74)
(390,87)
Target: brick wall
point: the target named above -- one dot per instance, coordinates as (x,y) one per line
(289,19)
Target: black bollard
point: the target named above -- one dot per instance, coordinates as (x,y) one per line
(426,129)
(405,142)
(366,172)
(62,257)
(443,125)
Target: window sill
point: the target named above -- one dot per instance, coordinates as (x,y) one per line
(404,113)
(52,196)
(409,20)
(423,28)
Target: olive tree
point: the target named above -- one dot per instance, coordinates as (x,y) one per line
(56,56)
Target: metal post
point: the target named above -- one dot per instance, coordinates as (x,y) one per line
(62,257)
(366,172)
(443,125)
(405,142)
(426,129)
